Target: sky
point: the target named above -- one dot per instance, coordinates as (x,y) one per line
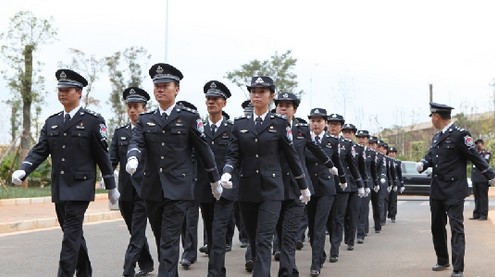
(371,61)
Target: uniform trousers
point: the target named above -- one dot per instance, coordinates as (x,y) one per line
(239,222)
(134,214)
(363,219)
(351,218)
(260,219)
(392,204)
(377,206)
(74,253)
(301,236)
(217,216)
(190,232)
(336,222)
(319,208)
(480,192)
(453,209)
(288,223)
(166,218)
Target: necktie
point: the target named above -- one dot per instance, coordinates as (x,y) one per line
(213,129)
(257,125)
(164,116)
(66,118)
(317,139)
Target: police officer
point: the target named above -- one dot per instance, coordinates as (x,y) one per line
(257,145)
(369,167)
(380,184)
(354,201)
(480,185)
(131,205)
(168,135)
(323,183)
(76,140)
(397,185)
(216,213)
(391,180)
(449,152)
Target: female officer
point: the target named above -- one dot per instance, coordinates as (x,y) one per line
(258,142)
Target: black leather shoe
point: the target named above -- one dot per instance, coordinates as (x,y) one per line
(457,274)
(249,265)
(482,218)
(276,255)
(350,247)
(334,259)
(244,244)
(143,272)
(440,267)
(299,245)
(360,240)
(314,272)
(185,263)
(204,249)
(474,218)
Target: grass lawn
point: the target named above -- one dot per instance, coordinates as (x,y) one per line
(19,192)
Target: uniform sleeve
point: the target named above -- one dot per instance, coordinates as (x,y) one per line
(38,153)
(233,152)
(136,145)
(99,147)
(466,146)
(399,174)
(114,151)
(203,150)
(353,168)
(291,154)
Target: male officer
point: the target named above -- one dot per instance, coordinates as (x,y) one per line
(391,179)
(130,204)
(397,186)
(369,167)
(216,212)
(76,139)
(449,152)
(480,185)
(380,180)
(168,135)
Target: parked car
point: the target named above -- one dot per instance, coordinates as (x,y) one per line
(414,182)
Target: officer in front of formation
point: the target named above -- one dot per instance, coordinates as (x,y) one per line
(168,135)
(258,143)
(131,205)
(480,185)
(449,152)
(76,140)
(217,210)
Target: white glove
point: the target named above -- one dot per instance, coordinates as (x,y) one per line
(491,182)
(389,188)
(361,192)
(402,189)
(216,190)
(116,175)
(225,180)
(343,186)
(305,196)
(17,176)
(102,183)
(131,166)
(395,188)
(383,180)
(334,171)
(367,192)
(419,167)
(113,195)
(376,188)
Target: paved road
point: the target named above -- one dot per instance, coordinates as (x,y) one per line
(402,249)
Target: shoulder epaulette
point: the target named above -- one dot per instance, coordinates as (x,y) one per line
(188,109)
(148,112)
(241,117)
(123,126)
(300,124)
(276,115)
(95,114)
(55,114)
(228,122)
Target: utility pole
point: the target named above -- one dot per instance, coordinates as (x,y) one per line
(431,92)
(166,30)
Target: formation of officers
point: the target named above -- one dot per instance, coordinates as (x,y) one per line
(277,177)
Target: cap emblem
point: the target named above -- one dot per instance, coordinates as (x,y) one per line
(259,81)
(213,85)
(63,76)
(285,95)
(317,111)
(159,70)
(132,91)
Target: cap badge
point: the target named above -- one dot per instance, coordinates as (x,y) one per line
(132,91)
(159,70)
(259,81)
(317,111)
(334,115)
(213,85)
(285,95)
(63,76)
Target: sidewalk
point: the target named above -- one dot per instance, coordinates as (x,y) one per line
(25,214)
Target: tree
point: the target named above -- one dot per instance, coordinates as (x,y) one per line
(125,70)
(90,68)
(21,70)
(279,67)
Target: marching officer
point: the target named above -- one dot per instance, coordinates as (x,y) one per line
(480,185)
(76,140)
(168,135)
(258,142)
(449,152)
(380,184)
(391,180)
(216,212)
(398,185)
(131,205)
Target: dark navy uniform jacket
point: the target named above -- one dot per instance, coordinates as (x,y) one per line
(76,147)
(448,156)
(118,154)
(258,158)
(398,173)
(218,143)
(476,175)
(168,165)
(391,171)
(380,167)
(364,164)
(323,181)
(347,152)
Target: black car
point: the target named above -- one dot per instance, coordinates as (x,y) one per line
(414,182)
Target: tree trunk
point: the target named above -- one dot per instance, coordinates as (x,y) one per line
(27,99)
